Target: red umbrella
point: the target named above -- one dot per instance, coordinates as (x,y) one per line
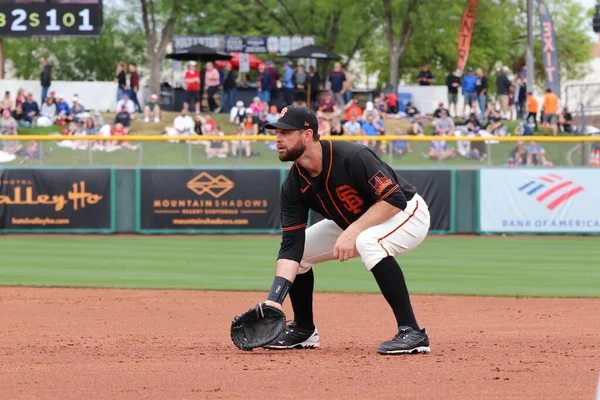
(235,62)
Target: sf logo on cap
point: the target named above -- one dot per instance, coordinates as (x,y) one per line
(282,113)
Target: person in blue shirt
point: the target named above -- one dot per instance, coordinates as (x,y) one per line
(335,83)
(288,84)
(369,129)
(469,88)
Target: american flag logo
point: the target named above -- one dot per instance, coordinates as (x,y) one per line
(551,190)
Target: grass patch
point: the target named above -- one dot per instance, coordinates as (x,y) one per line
(513,266)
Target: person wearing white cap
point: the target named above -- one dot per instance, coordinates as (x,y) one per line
(128,104)
(152,109)
(237,113)
(192,82)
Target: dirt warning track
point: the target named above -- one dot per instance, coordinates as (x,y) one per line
(106,344)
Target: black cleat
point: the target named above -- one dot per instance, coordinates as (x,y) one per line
(294,337)
(407,341)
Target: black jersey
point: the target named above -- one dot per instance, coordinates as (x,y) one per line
(352,179)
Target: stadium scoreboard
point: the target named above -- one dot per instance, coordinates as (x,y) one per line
(26,18)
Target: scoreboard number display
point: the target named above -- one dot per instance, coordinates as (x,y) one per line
(59,18)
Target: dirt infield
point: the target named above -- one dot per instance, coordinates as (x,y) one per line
(101,344)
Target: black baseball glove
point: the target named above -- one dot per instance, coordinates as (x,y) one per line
(257,327)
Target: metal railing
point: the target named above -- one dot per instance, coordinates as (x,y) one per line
(421,151)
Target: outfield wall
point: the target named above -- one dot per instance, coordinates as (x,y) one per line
(246,200)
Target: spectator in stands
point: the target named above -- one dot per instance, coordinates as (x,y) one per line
(183,125)
(348,85)
(257,107)
(229,89)
(264,84)
(336,84)
(411,111)
(381,104)
(469,89)
(401,147)
(536,154)
(79,131)
(336,127)
(523,128)
(90,127)
(238,113)
(121,79)
(262,125)
(352,127)
(439,150)
(45,77)
(565,121)
(437,113)
(20,98)
(503,87)
(120,130)
(478,149)
(532,108)
(273,115)
(97,117)
(241,146)
(63,111)
(77,110)
(129,106)
(213,85)
(47,113)
(8,124)
(370,111)
(18,115)
(199,125)
(392,102)
(287,83)
(518,155)
(134,86)
(52,96)
(30,109)
(328,106)
(481,86)
(300,81)
(444,125)
(6,103)
(273,79)
(352,107)
(416,126)
(250,124)
(520,95)
(210,125)
(473,124)
(324,126)
(217,148)
(494,120)
(152,110)
(425,77)
(123,117)
(369,129)
(550,108)
(453,82)
(192,87)
(8,127)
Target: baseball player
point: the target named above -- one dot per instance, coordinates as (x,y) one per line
(370,212)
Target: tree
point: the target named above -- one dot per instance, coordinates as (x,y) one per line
(158,34)
(396,47)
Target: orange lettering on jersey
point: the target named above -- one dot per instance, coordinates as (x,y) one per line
(348,196)
(380,182)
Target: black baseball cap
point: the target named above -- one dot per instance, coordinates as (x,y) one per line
(296,117)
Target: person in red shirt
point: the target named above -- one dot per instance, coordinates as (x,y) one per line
(120,130)
(392,100)
(192,81)
(134,86)
(328,106)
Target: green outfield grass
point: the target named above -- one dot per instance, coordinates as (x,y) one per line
(178,154)
(512,266)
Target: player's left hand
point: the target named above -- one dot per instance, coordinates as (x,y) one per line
(345,246)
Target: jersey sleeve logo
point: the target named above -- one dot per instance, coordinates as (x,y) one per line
(379,182)
(349,197)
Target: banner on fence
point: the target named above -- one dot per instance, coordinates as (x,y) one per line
(435,186)
(56,200)
(539,201)
(209,201)
(244,44)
